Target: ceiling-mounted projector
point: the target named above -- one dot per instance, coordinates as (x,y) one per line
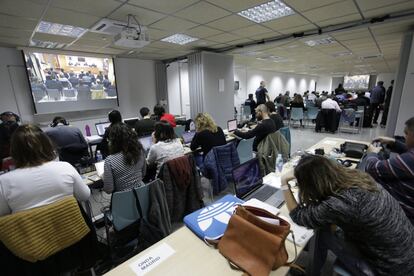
(131,37)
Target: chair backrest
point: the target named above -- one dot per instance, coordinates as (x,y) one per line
(124,206)
(361,108)
(348,115)
(312,112)
(285,131)
(53,94)
(245,150)
(226,160)
(179,130)
(296,113)
(70,93)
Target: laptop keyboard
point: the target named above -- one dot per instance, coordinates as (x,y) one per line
(264,193)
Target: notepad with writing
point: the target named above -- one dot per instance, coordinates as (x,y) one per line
(211,222)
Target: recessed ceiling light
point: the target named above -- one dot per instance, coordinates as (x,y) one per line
(47,44)
(59,29)
(267,11)
(321,41)
(180,39)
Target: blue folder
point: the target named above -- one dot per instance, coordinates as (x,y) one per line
(211,222)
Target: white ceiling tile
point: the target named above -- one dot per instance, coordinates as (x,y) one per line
(156,34)
(400,7)
(14,33)
(298,29)
(252,30)
(286,22)
(230,23)
(100,9)
(173,24)
(340,20)
(169,6)
(339,9)
(237,5)
(223,38)
(67,17)
(375,4)
(53,38)
(144,16)
(17,22)
(24,8)
(202,13)
(304,5)
(202,32)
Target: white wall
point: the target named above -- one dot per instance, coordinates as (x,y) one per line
(324,83)
(178,89)
(386,78)
(275,83)
(218,104)
(135,82)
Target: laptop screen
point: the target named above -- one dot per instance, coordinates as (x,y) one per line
(247,177)
(146,142)
(232,125)
(188,137)
(131,122)
(101,127)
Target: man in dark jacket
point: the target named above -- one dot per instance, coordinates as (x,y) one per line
(7,127)
(146,125)
(387,104)
(264,127)
(377,99)
(261,94)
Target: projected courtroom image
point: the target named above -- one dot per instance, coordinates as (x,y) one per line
(62,78)
(358,82)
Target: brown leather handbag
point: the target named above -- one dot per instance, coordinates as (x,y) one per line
(254,245)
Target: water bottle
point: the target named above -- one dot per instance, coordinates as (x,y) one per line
(98,156)
(87,130)
(279,164)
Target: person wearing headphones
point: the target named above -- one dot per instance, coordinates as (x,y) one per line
(9,123)
(68,140)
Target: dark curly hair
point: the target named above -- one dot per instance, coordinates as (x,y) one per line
(163,131)
(124,139)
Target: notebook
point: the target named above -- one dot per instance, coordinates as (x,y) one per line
(211,222)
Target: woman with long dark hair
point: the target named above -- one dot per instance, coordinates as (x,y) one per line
(114,118)
(125,167)
(38,179)
(376,230)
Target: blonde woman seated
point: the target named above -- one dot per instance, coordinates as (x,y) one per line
(208,135)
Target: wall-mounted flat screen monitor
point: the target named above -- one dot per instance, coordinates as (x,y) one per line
(357,82)
(65,82)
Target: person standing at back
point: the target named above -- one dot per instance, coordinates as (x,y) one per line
(125,167)
(145,126)
(387,103)
(340,89)
(264,127)
(159,111)
(261,94)
(377,98)
(297,103)
(252,104)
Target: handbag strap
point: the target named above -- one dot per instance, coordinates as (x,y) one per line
(296,249)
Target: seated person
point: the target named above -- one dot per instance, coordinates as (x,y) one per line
(330,104)
(38,180)
(264,127)
(375,228)
(277,119)
(252,104)
(396,174)
(145,126)
(68,140)
(114,118)
(125,167)
(208,134)
(159,111)
(361,100)
(9,123)
(166,145)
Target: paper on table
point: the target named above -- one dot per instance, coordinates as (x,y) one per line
(253,202)
(330,142)
(302,234)
(272,180)
(100,168)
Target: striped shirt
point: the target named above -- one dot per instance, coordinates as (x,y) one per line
(396,175)
(119,176)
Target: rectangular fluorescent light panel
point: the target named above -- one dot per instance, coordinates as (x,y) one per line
(322,41)
(180,39)
(47,44)
(267,11)
(59,29)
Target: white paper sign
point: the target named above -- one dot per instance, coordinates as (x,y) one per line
(152,259)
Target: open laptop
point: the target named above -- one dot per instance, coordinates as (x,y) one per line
(146,142)
(231,125)
(101,127)
(248,183)
(188,137)
(131,122)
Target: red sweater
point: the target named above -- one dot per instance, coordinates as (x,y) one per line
(169,118)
